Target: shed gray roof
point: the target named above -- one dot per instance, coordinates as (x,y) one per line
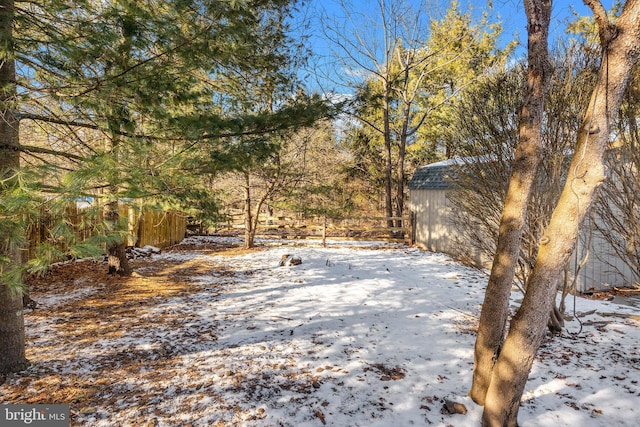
(435,176)
(441,175)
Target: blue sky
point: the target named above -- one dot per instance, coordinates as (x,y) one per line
(514,19)
(509,12)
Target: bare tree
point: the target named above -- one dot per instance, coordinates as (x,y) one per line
(485,141)
(487,138)
(620,41)
(493,318)
(399,64)
(366,46)
(618,220)
(263,173)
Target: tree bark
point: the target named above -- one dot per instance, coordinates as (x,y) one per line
(249,232)
(12,344)
(116,252)
(621,47)
(493,317)
(402,151)
(388,165)
(117,119)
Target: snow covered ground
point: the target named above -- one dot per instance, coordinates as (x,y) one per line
(354,336)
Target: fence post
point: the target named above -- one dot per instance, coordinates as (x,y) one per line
(412,228)
(324,230)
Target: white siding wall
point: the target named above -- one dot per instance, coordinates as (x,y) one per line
(603,269)
(430,211)
(434,232)
(433,229)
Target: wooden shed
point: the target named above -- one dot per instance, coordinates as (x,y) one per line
(430,208)
(434,230)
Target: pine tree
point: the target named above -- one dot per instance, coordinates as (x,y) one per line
(156,83)
(127,91)
(12,353)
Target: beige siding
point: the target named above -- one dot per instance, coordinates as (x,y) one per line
(432,227)
(603,268)
(433,231)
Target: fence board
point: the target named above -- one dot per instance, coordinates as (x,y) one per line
(365,226)
(149,227)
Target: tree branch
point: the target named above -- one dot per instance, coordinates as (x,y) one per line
(41,150)
(606,29)
(75,123)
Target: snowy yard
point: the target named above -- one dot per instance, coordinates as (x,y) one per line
(207,334)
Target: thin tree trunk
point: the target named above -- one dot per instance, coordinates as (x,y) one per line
(621,47)
(407,100)
(386,125)
(116,252)
(12,344)
(324,230)
(400,177)
(249,232)
(388,165)
(252,218)
(493,317)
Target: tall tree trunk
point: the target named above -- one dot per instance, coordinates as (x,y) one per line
(388,165)
(12,345)
(116,251)
(407,101)
(324,230)
(402,150)
(493,318)
(249,231)
(117,120)
(621,47)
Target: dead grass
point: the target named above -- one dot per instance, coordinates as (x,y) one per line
(106,307)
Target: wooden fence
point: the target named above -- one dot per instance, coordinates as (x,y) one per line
(156,228)
(309,227)
(146,227)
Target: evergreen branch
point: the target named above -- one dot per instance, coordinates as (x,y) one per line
(57,121)
(75,123)
(71,129)
(145,61)
(250,132)
(54,189)
(41,150)
(230,134)
(23,59)
(256,125)
(43,161)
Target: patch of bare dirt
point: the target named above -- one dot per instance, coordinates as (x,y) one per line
(387,373)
